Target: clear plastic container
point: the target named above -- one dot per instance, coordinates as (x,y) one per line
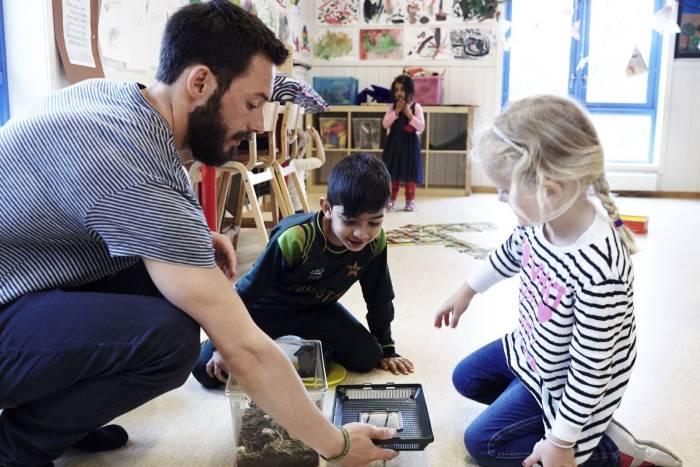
(257,439)
(366,133)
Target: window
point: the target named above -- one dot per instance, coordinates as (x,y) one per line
(581,48)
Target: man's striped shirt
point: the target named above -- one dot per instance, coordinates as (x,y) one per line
(575,344)
(91,181)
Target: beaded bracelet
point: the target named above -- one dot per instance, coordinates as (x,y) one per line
(548,435)
(346,447)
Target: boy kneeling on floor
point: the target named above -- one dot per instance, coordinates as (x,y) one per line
(309,264)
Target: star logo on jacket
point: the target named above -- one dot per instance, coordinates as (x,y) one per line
(353,269)
(316,274)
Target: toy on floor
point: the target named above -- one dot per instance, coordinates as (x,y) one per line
(637,224)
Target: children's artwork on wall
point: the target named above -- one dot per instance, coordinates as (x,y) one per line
(283,27)
(381,44)
(469,43)
(688,41)
(249,6)
(335,44)
(301,41)
(395,12)
(267,12)
(474,9)
(427,43)
(295,6)
(372,11)
(419,11)
(337,12)
(384,11)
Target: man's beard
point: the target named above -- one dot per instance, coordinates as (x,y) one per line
(207,133)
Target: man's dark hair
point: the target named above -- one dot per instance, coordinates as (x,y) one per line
(360,183)
(218,34)
(408,87)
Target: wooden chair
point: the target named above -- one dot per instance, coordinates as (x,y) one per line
(253,172)
(282,165)
(302,163)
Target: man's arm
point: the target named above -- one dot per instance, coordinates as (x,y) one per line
(259,366)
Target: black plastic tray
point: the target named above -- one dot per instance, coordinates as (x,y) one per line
(353,399)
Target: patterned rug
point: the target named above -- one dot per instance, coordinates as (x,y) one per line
(440,234)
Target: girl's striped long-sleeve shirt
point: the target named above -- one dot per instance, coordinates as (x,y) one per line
(575,344)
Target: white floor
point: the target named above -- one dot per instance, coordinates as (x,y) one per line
(191,426)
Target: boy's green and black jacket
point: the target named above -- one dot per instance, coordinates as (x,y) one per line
(300,269)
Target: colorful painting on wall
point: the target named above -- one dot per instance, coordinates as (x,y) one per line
(428,43)
(381,44)
(469,43)
(337,12)
(283,27)
(301,41)
(475,9)
(384,11)
(688,41)
(335,44)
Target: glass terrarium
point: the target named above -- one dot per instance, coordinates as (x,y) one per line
(259,440)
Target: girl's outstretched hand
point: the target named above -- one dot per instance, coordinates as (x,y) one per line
(450,312)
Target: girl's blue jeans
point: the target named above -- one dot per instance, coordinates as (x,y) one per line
(505,433)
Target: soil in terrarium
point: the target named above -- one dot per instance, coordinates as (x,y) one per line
(265,443)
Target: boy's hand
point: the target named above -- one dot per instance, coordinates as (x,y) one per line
(224,254)
(396,365)
(217,367)
(450,312)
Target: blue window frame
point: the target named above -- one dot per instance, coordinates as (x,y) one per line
(4,99)
(578,76)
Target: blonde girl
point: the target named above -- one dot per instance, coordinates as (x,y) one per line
(553,384)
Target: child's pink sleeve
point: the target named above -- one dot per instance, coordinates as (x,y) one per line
(418,121)
(389,117)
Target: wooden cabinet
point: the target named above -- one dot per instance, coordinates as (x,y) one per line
(445,142)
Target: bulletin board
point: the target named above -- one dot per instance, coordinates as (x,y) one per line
(75,27)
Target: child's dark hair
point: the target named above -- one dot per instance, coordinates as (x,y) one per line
(408,87)
(360,183)
(218,34)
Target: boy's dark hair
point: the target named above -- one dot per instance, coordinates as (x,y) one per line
(218,34)
(360,183)
(408,87)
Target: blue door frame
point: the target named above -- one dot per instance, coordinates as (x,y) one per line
(578,78)
(4,99)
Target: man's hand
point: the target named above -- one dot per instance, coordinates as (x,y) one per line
(550,456)
(217,367)
(224,254)
(362,449)
(396,365)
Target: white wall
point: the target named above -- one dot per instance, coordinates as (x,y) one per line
(33,64)
(34,70)
(680,155)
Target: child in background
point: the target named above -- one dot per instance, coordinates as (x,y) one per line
(309,264)
(553,384)
(404,120)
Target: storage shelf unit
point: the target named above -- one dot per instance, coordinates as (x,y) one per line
(445,142)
